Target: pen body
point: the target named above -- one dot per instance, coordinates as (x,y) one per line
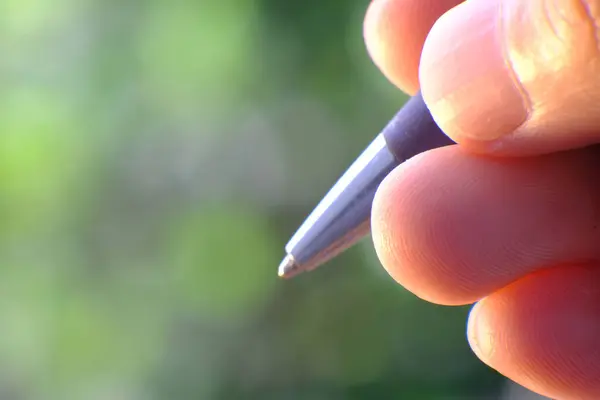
(342,218)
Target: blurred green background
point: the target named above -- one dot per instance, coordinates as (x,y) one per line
(155,156)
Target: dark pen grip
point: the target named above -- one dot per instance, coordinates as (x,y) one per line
(413,131)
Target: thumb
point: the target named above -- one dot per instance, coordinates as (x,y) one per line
(515,77)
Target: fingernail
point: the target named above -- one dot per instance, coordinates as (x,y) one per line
(465,80)
(480,336)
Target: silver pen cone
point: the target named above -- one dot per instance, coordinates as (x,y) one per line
(288,267)
(342,218)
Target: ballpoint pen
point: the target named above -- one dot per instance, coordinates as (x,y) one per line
(343,217)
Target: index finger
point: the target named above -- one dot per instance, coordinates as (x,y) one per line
(395,31)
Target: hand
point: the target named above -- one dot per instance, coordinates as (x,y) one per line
(511,216)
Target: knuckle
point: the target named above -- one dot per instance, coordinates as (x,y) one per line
(576,22)
(553,49)
(592,11)
(592,14)
(553,41)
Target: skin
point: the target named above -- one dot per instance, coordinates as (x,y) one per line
(510,218)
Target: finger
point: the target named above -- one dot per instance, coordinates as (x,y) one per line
(453,227)
(395,31)
(544,332)
(516,77)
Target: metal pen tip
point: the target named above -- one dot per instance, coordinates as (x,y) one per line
(288,267)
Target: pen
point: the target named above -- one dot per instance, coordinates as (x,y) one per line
(343,217)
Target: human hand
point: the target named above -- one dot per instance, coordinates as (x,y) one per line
(511,216)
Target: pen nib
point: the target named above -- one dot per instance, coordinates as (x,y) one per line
(288,267)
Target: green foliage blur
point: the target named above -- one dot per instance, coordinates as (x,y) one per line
(155,156)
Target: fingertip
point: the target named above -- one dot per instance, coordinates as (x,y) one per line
(465,80)
(480,332)
(543,330)
(394,33)
(452,227)
(404,215)
(387,45)
(381,222)
(386,204)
